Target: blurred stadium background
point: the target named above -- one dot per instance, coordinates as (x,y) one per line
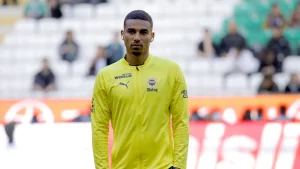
(241,59)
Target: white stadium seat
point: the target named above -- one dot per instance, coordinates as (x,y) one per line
(281,79)
(255,80)
(212,81)
(49,25)
(107,11)
(71,24)
(67,11)
(26,25)
(224,8)
(291,64)
(5,56)
(193,81)
(222,65)
(69,83)
(80,68)
(83,10)
(199,66)
(236,81)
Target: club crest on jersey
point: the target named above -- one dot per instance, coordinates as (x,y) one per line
(152,83)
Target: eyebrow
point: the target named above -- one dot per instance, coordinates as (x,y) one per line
(142,30)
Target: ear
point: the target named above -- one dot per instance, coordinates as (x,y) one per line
(152,36)
(122,34)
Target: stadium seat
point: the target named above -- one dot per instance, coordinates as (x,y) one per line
(291,64)
(71,24)
(93,25)
(222,8)
(15,39)
(107,11)
(87,53)
(221,65)
(155,10)
(236,81)
(67,10)
(83,11)
(256,80)
(199,66)
(80,68)
(281,79)
(69,83)
(211,81)
(49,25)
(210,85)
(5,71)
(61,68)
(25,25)
(193,81)
(5,56)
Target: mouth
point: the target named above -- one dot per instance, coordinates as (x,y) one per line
(136,46)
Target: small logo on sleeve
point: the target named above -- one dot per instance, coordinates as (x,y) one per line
(152,83)
(93,106)
(184,93)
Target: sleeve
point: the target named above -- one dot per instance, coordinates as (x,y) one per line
(100,116)
(180,120)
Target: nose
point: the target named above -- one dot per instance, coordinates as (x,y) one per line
(137,37)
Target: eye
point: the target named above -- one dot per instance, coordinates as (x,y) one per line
(144,32)
(130,31)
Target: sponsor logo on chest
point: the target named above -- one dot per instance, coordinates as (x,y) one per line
(124,75)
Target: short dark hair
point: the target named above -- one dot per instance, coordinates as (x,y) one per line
(139,14)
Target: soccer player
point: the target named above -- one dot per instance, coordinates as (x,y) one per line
(142,95)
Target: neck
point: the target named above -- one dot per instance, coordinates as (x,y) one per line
(136,60)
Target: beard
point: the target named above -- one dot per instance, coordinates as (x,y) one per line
(137,53)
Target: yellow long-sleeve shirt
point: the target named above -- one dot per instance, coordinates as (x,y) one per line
(141,101)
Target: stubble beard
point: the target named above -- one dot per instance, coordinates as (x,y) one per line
(137,53)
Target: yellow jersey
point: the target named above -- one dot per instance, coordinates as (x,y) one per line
(147,107)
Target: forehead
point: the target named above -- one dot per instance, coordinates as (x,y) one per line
(137,24)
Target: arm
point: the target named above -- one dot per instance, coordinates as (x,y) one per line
(100,117)
(180,120)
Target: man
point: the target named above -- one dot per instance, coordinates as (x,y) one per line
(232,39)
(69,49)
(44,80)
(115,50)
(294,85)
(140,94)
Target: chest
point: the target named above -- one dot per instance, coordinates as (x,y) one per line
(141,85)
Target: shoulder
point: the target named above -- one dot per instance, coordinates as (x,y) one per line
(170,67)
(165,62)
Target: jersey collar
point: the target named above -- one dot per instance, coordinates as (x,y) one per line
(147,61)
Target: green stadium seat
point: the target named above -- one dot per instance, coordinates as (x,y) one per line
(243,9)
(260,38)
(293,36)
(217,37)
